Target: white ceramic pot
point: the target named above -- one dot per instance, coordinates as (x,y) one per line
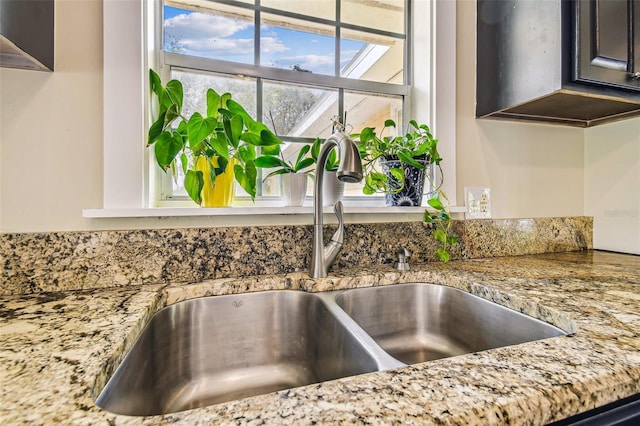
(294,188)
(332,190)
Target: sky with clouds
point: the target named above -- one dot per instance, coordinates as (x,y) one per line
(218,37)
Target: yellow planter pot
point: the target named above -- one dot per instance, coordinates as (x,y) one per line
(220,194)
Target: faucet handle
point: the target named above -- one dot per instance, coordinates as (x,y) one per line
(338,209)
(403,259)
(338,236)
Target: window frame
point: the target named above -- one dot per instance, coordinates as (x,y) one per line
(127,55)
(166,62)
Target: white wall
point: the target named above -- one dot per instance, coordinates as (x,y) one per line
(51,140)
(534,170)
(51,129)
(612,185)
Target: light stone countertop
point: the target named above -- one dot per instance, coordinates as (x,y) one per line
(57,350)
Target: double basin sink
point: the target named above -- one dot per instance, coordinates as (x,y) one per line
(215,349)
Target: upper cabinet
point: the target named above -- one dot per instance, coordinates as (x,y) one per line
(574,62)
(26,34)
(608,43)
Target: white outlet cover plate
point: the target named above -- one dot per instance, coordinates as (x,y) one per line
(478,202)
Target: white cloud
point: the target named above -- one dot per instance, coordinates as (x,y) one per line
(202,26)
(310,61)
(272,45)
(218,46)
(209,35)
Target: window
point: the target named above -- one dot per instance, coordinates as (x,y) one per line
(129,52)
(294,65)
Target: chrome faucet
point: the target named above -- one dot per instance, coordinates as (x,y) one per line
(349,170)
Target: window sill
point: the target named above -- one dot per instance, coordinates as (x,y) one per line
(246,211)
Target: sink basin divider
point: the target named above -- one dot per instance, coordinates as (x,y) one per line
(383,360)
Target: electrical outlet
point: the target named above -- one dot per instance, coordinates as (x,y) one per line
(478,202)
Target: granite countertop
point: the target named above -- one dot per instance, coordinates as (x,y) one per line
(57,350)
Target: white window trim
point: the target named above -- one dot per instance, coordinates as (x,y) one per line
(126,95)
(124,105)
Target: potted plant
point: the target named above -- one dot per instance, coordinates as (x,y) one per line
(403,161)
(389,162)
(211,150)
(293,176)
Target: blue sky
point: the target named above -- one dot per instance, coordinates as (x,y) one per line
(218,37)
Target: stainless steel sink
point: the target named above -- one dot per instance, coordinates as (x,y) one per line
(215,349)
(210,350)
(422,322)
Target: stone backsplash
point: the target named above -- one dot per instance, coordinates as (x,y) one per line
(43,262)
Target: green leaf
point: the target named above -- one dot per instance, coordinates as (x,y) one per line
(332,161)
(171,114)
(225,113)
(213,103)
(247,153)
(426,217)
(270,150)
(184,160)
(275,173)
(199,128)
(389,123)
(368,190)
(443,255)
(213,171)
(164,99)
(406,158)
(222,165)
(452,240)
(166,148)
(374,182)
(156,129)
(264,138)
(303,151)
(269,138)
(154,83)
(182,128)
(269,162)
(303,164)
(233,127)
(174,88)
(367,134)
(193,183)
(378,177)
(237,109)
(224,100)
(397,174)
(252,175)
(315,149)
(219,144)
(174,171)
(246,177)
(435,203)
(238,172)
(250,138)
(440,235)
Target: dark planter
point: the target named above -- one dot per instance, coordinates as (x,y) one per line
(411,193)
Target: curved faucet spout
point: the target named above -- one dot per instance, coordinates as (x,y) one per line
(350,170)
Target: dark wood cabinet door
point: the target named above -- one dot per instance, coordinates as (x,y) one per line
(608,42)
